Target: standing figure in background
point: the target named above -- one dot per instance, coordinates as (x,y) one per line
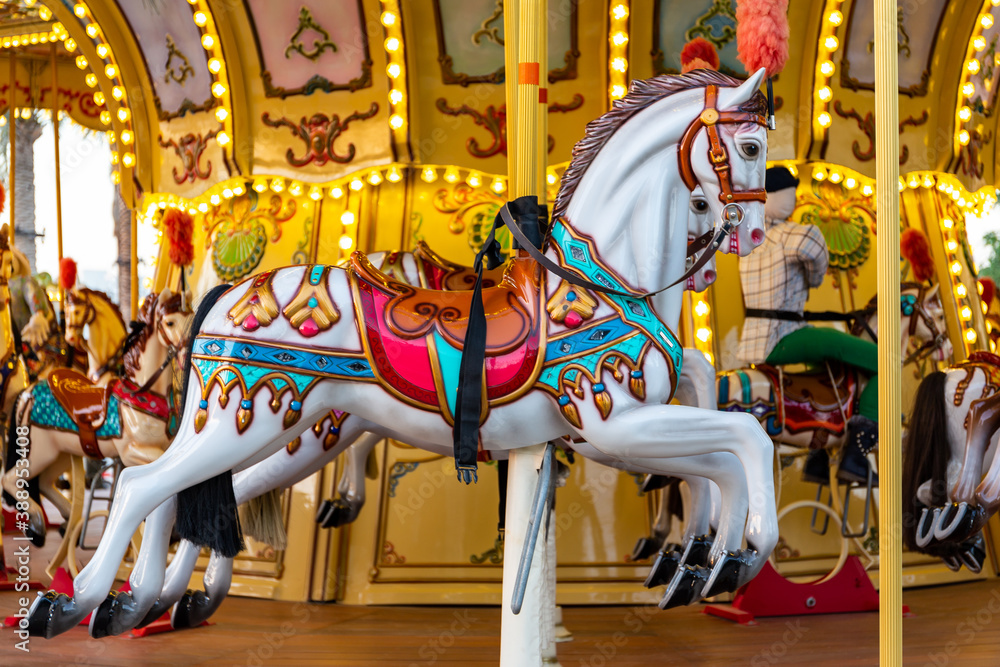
(776,279)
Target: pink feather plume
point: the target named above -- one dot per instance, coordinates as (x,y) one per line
(762,34)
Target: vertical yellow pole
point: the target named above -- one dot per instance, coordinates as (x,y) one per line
(529,153)
(134,259)
(55,135)
(510,65)
(12,163)
(543,101)
(889,361)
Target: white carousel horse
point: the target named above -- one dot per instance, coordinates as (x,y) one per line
(323,442)
(132,417)
(617,221)
(951,440)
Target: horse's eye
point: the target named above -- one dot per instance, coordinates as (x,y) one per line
(750,150)
(699,205)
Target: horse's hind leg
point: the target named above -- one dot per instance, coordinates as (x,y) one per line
(47,484)
(175,582)
(351,490)
(42,453)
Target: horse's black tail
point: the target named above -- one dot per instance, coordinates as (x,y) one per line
(207,512)
(925,454)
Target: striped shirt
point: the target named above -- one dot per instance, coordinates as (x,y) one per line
(777,276)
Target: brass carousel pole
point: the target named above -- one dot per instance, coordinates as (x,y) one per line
(55,137)
(889,359)
(12,163)
(525,636)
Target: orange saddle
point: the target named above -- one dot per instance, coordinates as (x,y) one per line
(84,402)
(811,401)
(415,336)
(442,274)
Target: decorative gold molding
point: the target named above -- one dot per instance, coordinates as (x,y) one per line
(306,23)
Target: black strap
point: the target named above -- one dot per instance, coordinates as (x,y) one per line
(784,315)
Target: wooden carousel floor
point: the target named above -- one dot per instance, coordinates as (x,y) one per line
(963,620)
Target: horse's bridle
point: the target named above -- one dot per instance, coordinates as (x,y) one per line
(711,118)
(918,315)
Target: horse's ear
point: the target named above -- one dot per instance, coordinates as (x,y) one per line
(932,293)
(747,89)
(165,295)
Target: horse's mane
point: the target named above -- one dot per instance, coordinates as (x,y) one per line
(150,311)
(72,297)
(642,94)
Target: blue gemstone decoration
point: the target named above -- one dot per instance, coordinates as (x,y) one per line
(571,296)
(335,430)
(563,400)
(295,406)
(599,387)
(313,302)
(636,374)
(315,275)
(245,404)
(203,404)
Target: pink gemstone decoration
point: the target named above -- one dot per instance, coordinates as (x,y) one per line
(309,328)
(251,323)
(573,319)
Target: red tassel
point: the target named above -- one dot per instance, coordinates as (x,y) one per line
(179,228)
(3,197)
(67,273)
(762,34)
(917,251)
(989,290)
(699,53)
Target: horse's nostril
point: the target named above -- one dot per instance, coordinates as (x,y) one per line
(757,236)
(709,276)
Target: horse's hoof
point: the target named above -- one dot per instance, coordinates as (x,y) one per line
(644,548)
(699,549)
(654,482)
(100,620)
(51,614)
(335,513)
(972,553)
(664,568)
(729,572)
(684,588)
(955,523)
(925,527)
(191,610)
(37,538)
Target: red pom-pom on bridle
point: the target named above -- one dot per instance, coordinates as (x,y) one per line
(67,273)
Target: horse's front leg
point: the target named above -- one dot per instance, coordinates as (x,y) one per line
(351,490)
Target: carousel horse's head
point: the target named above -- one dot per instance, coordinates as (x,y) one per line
(699,222)
(92,316)
(724,150)
(165,316)
(173,314)
(926,325)
(80,313)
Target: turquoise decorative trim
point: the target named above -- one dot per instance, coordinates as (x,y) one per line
(629,347)
(48,413)
(745,385)
(241,353)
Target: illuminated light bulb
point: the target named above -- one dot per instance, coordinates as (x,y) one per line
(239,190)
(91,79)
(295,188)
(227,193)
(619,12)
(952,246)
(968,89)
(831,43)
(336,192)
(498,185)
(972,66)
(277,184)
(836,177)
(850,183)
(45,13)
(259,185)
(970,335)
(902,185)
(214,65)
(551,178)
(218,89)
(215,199)
(222,138)
(388,19)
(207,41)
(956,195)
(914,182)
(347,218)
(956,268)
(375,178)
(392,45)
(396,121)
(114,157)
(118,92)
(824,93)
(102,50)
(966,313)
(92,30)
(81,61)
(110,71)
(393,70)
(947,223)
(126,137)
(963,137)
(203,207)
(962,202)
(979,43)
(451,175)
(395,96)
(474,179)
(619,64)
(826,67)
(618,91)
(703,334)
(128,159)
(428,175)
(701,309)
(986,309)
(346,242)
(106,117)
(315,193)
(928,182)
(819,175)
(986,20)
(835,17)
(356,184)
(393,175)
(123,114)
(99,99)
(79,10)
(960,290)
(824,119)
(619,39)
(116,177)
(221,114)
(200,19)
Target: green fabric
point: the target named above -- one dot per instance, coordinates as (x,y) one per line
(816,345)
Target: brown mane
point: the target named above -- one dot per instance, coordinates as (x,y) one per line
(642,94)
(150,312)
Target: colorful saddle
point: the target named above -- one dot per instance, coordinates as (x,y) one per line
(415,336)
(69,401)
(438,273)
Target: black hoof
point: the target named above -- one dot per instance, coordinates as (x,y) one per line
(699,550)
(729,573)
(335,513)
(40,616)
(685,587)
(37,538)
(101,619)
(191,610)
(62,528)
(654,482)
(664,568)
(644,548)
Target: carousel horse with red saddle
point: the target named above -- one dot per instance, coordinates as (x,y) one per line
(102,415)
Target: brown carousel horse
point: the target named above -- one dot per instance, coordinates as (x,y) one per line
(132,417)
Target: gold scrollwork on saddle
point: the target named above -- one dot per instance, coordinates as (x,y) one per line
(257,307)
(571,305)
(312,310)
